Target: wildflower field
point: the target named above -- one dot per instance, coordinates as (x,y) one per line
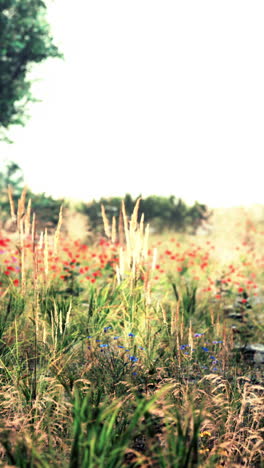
(132,350)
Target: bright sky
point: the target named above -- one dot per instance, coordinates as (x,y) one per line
(154,97)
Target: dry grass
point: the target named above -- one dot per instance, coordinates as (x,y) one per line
(125,354)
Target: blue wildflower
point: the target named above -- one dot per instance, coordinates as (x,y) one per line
(140,347)
(116,337)
(197,335)
(131,334)
(212,357)
(205,349)
(98,341)
(183,346)
(107,328)
(89,337)
(119,346)
(133,358)
(104,345)
(134,373)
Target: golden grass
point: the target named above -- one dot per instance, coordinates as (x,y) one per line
(231,405)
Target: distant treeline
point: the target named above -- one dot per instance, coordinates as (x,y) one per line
(46,208)
(163,213)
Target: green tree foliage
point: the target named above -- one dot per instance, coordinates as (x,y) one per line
(161,212)
(46,208)
(12,174)
(24,40)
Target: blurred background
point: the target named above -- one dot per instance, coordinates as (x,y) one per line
(152,99)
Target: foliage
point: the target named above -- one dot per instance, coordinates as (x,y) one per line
(46,207)
(12,174)
(162,212)
(25,40)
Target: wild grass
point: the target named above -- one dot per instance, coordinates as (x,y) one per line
(122,353)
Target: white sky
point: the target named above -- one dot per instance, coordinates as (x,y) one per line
(154,97)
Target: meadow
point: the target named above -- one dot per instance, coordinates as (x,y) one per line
(132,349)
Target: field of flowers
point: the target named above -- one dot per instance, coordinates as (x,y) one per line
(132,350)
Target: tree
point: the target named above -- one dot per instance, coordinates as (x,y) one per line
(163,213)
(46,208)
(24,40)
(12,174)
